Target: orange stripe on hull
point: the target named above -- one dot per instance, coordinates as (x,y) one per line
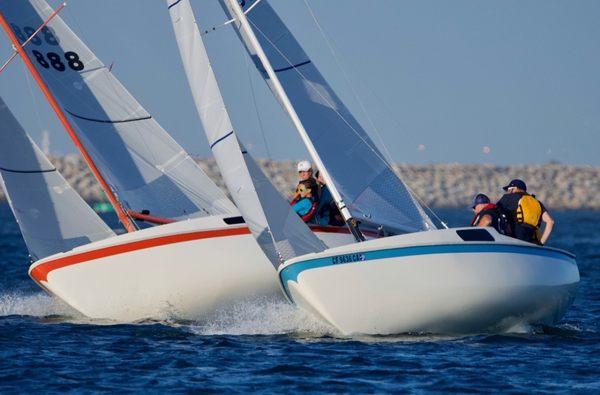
(40,272)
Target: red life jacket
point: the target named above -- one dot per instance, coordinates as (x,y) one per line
(489,206)
(311,213)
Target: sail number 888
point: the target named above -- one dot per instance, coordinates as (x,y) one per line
(53,59)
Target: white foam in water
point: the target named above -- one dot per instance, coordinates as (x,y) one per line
(36,305)
(262,317)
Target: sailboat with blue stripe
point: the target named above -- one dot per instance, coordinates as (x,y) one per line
(415,277)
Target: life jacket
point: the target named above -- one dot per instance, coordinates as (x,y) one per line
(476,218)
(500,223)
(311,213)
(529,211)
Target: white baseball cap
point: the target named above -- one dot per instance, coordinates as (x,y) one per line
(304,165)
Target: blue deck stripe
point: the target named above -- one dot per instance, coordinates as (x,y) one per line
(292,272)
(221,139)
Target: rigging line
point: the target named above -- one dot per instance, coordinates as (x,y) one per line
(226,23)
(258,118)
(68,90)
(330,45)
(424,205)
(42,26)
(374,149)
(92,149)
(386,152)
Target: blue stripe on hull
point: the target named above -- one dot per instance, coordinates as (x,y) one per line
(292,272)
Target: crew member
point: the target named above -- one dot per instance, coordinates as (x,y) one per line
(304,205)
(305,173)
(485,213)
(525,213)
(327,210)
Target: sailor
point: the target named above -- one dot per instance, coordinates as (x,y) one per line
(485,213)
(327,211)
(525,213)
(305,172)
(304,205)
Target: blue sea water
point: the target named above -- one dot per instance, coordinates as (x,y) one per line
(271,347)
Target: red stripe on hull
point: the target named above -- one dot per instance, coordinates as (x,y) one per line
(40,272)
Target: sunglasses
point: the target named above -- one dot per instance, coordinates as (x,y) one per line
(302,189)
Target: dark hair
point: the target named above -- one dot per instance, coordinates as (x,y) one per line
(317,173)
(309,184)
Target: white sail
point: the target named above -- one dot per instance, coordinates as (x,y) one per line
(144,166)
(249,187)
(363,178)
(52,216)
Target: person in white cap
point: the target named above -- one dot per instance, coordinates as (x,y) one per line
(305,172)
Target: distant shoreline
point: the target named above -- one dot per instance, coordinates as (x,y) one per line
(559,186)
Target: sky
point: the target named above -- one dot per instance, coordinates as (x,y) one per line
(503,82)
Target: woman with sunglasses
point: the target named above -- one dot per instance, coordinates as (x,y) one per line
(304,204)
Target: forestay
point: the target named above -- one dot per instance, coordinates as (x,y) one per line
(52,216)
(277,228)
(144,166)
(362,176)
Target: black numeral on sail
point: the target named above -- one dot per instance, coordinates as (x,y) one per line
(18,33)
(73,61)
(55,60)
(49,36)
(46,32)
(40,58)
(36,40)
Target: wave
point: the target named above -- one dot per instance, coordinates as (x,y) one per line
(262,316)
(35,305)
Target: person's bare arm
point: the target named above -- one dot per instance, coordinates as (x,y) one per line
(548,225)
(486,220)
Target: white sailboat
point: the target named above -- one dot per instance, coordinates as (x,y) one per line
(201,258)
(419,278)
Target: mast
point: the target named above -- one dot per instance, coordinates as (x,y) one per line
(244,25)
(125,220)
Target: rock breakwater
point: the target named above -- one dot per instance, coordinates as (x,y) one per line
(438,185)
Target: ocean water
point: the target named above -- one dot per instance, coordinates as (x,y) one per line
(271,347)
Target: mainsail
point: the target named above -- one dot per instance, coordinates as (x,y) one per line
(144,167)
(364,179)
(277,228)
(52,216)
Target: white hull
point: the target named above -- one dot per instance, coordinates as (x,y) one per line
(184,270)
(433,282)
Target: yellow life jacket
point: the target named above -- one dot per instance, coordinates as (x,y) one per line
(529,211)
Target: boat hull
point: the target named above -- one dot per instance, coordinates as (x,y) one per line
(186,270)
(449,287)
